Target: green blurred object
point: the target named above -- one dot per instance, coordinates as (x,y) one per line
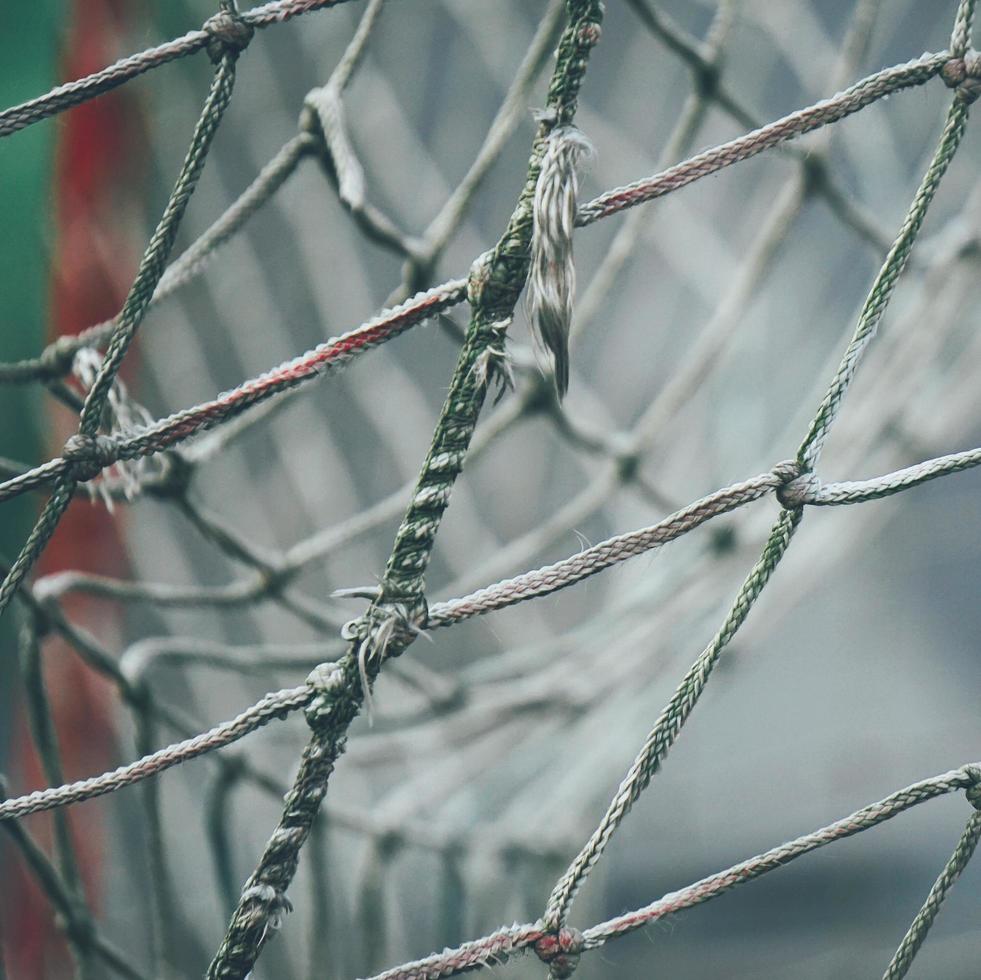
(28,67)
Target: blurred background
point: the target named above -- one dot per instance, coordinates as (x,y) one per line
(708,326)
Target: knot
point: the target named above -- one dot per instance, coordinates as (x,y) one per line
(796,488)
(560,951)
(384,631)
(326,678)
(973,792)
(88,456)
(964,76)
(57,358)
(230,34)
(479,276)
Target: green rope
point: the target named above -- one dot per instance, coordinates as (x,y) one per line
(496,281)
(495,284)
(920,926)
(882,288)
(676,713)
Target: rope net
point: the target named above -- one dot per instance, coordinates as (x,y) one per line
(506,758)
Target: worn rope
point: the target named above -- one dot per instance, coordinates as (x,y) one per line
(797,492)
(215,30)
(882,288)
(272,707)
(496,281)
(539,237)
(920,926)
(87,452)
(965,778)
(670,722)
(562,574)
(857,97)
(501,945)
(390,624)
(331,356)
(496,948)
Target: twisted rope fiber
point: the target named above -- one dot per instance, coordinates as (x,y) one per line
(795,492)
(567,572)
(920,926)
(272,706)
(542,581)
(81,90)
(58,357)
(882,289)
(387,628)
(552,272)
(965,778)
(148,275)
(670,722)
(496,281)
(499,946)
(858,96)
(332,355)
(676,713)
(496,948)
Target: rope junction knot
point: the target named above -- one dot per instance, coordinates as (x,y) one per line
(57,358)
(964,76)
(87,456)
(384,631)
(973,792)
(560,951)
(230,34)
(796,488)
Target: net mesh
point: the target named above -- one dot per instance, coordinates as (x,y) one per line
(450,728)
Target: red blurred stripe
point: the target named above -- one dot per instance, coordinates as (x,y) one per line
(97,167)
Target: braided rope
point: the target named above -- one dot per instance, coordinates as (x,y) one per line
(330,356)
(496,279)
(388,627)
(83,89)
(717,884)
(797,491)
(271,707)
(860,95)
(501,945)
(920,926)
(134,309)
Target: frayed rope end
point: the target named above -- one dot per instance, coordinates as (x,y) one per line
(552,275)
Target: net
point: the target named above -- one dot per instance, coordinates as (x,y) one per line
(457,723)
